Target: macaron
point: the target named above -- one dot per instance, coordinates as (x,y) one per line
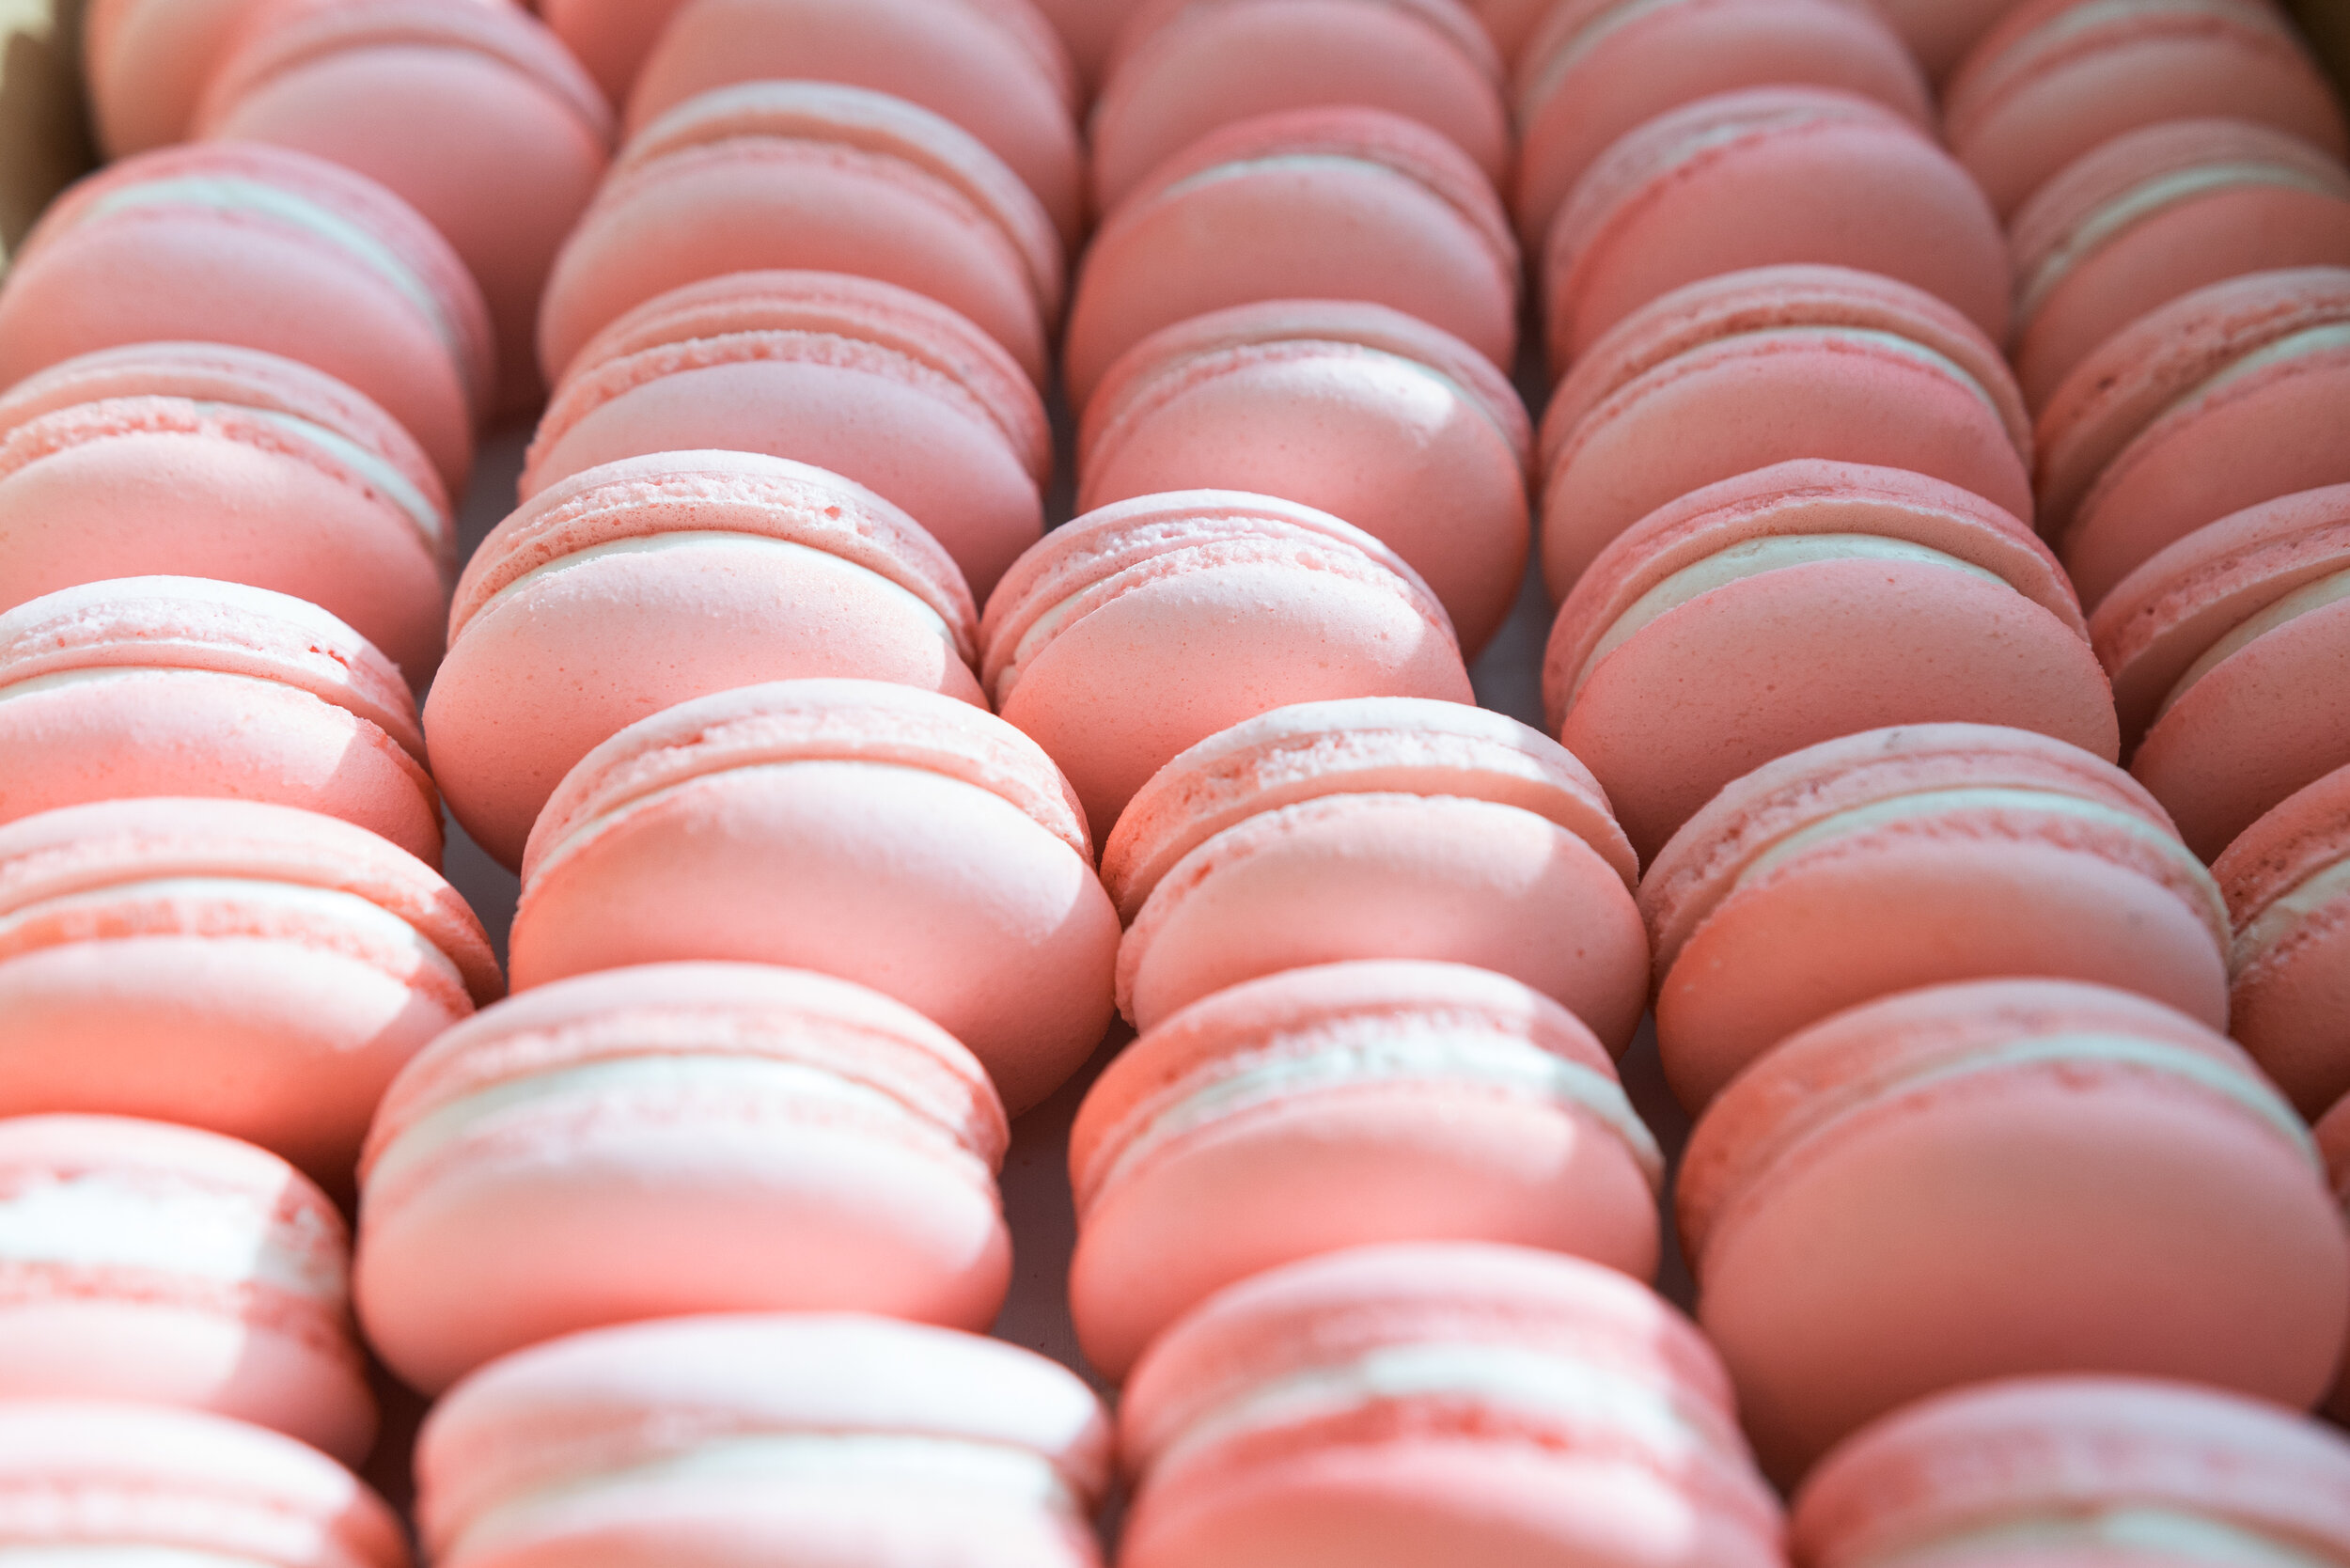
(209,460)
(1184,68)
(1508,23)
(2287,878)
(811,175)
(2002,1178)
(1593,70)
(1762,176)
(868,380)
(97,1479)
(145,63)
(1354,409)
(181,686)
(1355,1103)
(995,68)
(630,588)
(1940,32)
(609,38)
(1802,602)
(2333,1141)
(2080,1469)
(763,1438)
(1898,858)
(2159,212)
(265,248)
(674,1139)
(877,833)
(1376,827)
(1139,630)
(1438,1403)
(1733,373)
(243,967)
(2227,652)
(1089,28)
(2057,78)
(1328,203)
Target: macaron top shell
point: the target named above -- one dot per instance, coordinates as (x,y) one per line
(145,63)
(2306,835)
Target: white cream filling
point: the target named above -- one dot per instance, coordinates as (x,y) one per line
(40,684)
(2308,341)
(98,1219)
(1596,30)
(1277,163)
(2283,917)
(1908,348)
(2302,601)
(2132,1529)
(2067,25)
(367,465)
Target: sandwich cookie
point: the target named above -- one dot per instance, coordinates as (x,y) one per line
(145,64)
(2333,1140)
(2288,884)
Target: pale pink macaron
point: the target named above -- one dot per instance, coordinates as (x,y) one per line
(1089,28)
(2157,213)
(1376,827)
(610,38)
(1392,1407)
(210,461)
(1184,68)
(1352,1104)
(884,834)
(631,586)
(2001,1178)
(265,248)
(1331,203)
(2221,399)
(812,176)
(1802,602)
(1897,858)
(2287,878)
(1355,409)
(811,1439)
(1140,630)
(1596,70)
(2080,1469)
(874,382)
(1736,372)
(184,686)
(1940,32)
(2054,78)
(673,1140)
(249,968)
(1759,176)
(96,1480)
(2333,1140)
(995,68)
(1509,22)
(145,64)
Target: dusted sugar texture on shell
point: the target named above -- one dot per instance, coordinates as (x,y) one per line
(2013,1170)
(878,833)
(1733,373)
(2057,78)
(248,969)
(267,249)
(814,1438)
(1352,1104)
(1328,203)
(630,588)
(812,176)
(1351,408)
(874,382)
(1897,858)
(1143,628)
(2290,893)
(1802,602)
(1760,177)
(145,64)
(675,1140)
(1438,1403)
(182,686)
(164,1265)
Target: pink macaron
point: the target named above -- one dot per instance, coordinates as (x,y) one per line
(145,64)
(1376,827)
(995,68)
(1089,28)
(1940,32)
(1184,68)
(1799,603)
(868,380)
(884,835)
(812,176)
(1354,409)
(265,248)
(630,588)
(811,1439)
(1339,1106)
(1389,1406)
(1898,858)
(1140,630)
(610,38)
(673,1140)
(249,968)
(2056,78)
(2002,1178)
(1329,203)
(2333,1141)
(1736,372)
(2287,878)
